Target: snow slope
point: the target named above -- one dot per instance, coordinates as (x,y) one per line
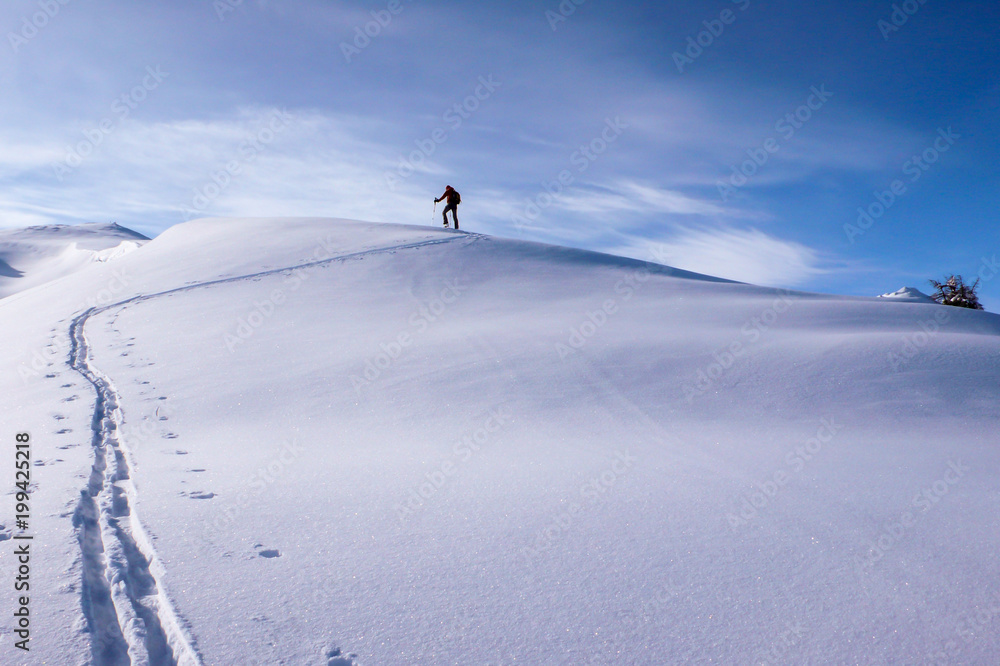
(328,442)
(36,255)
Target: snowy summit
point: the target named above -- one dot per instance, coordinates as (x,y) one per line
(329,442)
(909,294)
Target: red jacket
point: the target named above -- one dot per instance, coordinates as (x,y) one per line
(452,195)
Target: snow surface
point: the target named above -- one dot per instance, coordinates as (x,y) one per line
(36,255)
(308,441)
(909,294)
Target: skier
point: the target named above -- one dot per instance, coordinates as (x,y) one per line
(454,198)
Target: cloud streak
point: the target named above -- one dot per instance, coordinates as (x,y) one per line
(744,255)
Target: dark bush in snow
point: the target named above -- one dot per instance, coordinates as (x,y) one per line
(953,291)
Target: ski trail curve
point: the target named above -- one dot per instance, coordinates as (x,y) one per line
(128,612)
(130,617)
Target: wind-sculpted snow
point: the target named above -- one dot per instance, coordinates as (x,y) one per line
(354,444)
(128,613)
(37,255)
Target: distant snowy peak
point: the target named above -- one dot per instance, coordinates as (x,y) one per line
(35,255)
(911,294)
(56,237)
(101,233)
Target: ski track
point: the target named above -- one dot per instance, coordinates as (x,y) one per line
(128,613)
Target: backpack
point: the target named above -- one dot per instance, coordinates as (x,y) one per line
(458,197)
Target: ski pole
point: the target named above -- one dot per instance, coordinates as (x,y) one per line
(434,214)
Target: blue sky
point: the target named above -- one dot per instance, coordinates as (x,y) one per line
(153,113)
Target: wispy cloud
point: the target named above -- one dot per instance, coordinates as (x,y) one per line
(745,255)
(259,161)
(701,145)
(11,217)
(637,198)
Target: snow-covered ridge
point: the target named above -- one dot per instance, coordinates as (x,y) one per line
(111,253)
(36,255)
(354,443)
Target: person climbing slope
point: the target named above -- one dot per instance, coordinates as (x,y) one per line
(454,198)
